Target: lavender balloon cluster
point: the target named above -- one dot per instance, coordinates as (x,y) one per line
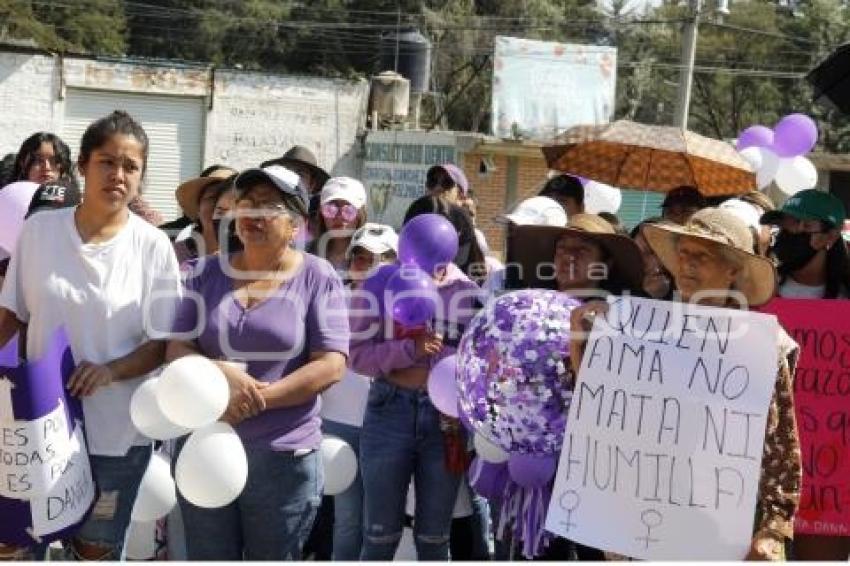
(513,371)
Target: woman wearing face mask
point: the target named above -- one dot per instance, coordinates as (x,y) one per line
(812,257)
(813,264)
(342,211)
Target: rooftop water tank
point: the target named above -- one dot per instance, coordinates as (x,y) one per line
(414,57)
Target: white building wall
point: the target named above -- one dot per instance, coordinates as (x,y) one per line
(253,117)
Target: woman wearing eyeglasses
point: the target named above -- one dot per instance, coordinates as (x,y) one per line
(43,158)
(342,211)
(813,264)
(284,313)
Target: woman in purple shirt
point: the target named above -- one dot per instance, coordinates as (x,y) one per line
(284,314)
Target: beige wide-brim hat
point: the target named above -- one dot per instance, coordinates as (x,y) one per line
(189,193)
(535,245)
(757,278)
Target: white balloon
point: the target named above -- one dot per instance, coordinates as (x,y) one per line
(148,418)
(796,174)
(768,169)
(599,197)
(157,495)
(193,392)
(140,541)
(488,451)
(753,156)
(212,468)
(340,464)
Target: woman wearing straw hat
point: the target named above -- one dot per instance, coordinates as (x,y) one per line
(197,198)
(587,258)
(712,261)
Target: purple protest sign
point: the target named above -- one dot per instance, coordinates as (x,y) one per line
(46,486)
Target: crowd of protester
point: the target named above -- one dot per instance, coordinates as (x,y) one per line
(262,261)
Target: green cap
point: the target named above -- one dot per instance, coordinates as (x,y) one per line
(811,204)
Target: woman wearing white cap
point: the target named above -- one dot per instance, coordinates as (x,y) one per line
(342,211)
(344,404)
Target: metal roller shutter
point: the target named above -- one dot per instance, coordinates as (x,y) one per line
(175,128)
(638,205)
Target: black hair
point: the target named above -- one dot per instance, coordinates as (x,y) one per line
(460,219)
(565,186)
(23,160)
(217,189)
(7,169)
(645,222)
(837,270)
(119,122)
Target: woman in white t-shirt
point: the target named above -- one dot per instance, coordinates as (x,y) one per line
(344,404)
(112,281)
(812,256)
(813,264)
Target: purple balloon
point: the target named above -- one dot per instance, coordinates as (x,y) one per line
(376,283)
(529,470)
(412,296)
(796,134)
(755,136)
(442,386)
(487,479)
(427,241)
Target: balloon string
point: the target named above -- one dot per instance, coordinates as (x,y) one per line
(524,514)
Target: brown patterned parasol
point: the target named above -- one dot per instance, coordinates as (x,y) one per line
(653,158)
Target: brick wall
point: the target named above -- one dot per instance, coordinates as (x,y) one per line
(491,189)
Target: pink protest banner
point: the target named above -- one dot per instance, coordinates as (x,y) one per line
(822,398)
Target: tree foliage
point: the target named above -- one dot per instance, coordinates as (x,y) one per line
(749,63)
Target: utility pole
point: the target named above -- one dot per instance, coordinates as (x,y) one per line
(689,52)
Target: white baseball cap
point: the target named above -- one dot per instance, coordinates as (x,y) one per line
(285,180)
(749,214)
(536,211)
(377,238)
(344,188)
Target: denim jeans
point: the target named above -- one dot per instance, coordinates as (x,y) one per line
(401,438)
(471,534)
(348,505)
(271,518)
(117,480)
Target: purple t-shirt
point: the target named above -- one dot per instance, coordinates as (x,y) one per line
(275,337)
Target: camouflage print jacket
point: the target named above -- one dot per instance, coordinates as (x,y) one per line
(781,465)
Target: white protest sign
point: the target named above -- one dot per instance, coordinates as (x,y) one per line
(33,454)
(70,498)
(662,452)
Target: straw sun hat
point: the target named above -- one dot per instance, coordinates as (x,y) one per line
(757,276)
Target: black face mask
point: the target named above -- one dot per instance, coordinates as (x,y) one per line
(233,244)
(793,251)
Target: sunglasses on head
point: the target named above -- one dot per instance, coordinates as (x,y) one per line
(331,211)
